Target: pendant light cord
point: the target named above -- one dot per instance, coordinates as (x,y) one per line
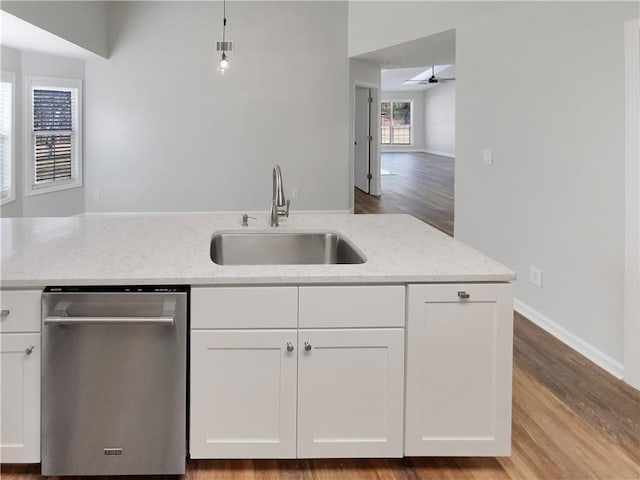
(224,21)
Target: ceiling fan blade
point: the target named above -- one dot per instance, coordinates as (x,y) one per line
(447,79)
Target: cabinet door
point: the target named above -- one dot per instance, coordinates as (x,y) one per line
(243,394)
(20,398)
(350,390)
(459,360)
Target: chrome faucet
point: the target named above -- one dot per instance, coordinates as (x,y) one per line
(279,204)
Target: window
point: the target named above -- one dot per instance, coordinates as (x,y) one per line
(395,123)
(55,121)
(7,165)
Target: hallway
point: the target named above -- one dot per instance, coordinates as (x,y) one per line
(419,184)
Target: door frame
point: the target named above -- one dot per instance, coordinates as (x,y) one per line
(374,152)
(356,116)
(632,204)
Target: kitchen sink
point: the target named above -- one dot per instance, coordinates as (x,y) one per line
(288,248)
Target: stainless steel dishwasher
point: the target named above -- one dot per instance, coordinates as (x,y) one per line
(114,380)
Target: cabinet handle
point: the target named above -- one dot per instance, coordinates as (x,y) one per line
(29,350)
(5,313)
(307,346)
(463,295)
(289,347)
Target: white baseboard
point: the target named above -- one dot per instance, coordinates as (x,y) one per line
(442,154)
(584,348)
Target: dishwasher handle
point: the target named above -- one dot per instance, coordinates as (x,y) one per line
(161,321)
(61,316)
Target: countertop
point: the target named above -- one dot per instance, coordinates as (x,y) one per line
(174,249)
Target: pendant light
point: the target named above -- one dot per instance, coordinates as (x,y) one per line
(224,46)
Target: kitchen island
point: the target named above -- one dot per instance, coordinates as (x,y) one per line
(406,354)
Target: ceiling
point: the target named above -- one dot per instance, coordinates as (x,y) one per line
(393,79)
(406,60)
(21,35)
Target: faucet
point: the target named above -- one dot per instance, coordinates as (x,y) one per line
(279,205)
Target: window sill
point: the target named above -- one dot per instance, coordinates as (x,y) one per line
(7,200)
(53,188)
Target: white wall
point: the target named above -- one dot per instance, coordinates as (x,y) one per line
(60,203)
(166,133)
(440,120)
(81,22)
(374,25)
(555,196)
(416,97)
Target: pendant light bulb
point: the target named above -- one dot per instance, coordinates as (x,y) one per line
(224,62)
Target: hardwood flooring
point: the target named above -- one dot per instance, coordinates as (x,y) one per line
(571,421)
(421,185)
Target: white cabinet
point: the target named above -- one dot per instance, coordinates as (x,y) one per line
(458,371)
(259,393)
(20,377)
(243,394)
(350,392)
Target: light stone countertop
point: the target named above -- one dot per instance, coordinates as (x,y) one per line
(174,249)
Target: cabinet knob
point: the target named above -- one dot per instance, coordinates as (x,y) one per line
(463,295)
(289,347)
(29,350)
(307,346)
(5,313)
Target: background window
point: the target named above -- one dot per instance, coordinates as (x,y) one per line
(56,133)
(7,91)
(395,123)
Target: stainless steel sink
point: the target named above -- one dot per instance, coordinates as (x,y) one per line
(288,248)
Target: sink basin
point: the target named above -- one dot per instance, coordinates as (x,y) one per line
(288,248)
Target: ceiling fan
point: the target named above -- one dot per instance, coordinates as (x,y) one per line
(431,79)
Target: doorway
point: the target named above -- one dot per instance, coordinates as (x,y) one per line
(362,139)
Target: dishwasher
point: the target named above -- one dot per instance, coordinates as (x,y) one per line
(114,380)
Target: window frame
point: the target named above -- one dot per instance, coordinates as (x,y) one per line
(10,77)
(391,143)
(32,82)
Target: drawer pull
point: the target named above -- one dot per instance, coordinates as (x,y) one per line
(462,295)
(307,346)
(29,350)
(5,313)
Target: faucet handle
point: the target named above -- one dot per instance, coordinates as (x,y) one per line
(286,212)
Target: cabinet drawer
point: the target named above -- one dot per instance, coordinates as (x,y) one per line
(352,306)
(244,307)
(20,311)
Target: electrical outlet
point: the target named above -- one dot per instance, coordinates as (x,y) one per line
(96,194)
(535,276)
(295,193)
(487,157)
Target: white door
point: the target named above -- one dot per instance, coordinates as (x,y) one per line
(243,394)
(20,398)
(362,135)
(350,391)
(459,359)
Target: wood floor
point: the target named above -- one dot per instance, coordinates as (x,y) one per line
(571,421)
(421,185)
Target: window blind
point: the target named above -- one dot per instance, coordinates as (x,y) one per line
(54,131)
(6,137)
